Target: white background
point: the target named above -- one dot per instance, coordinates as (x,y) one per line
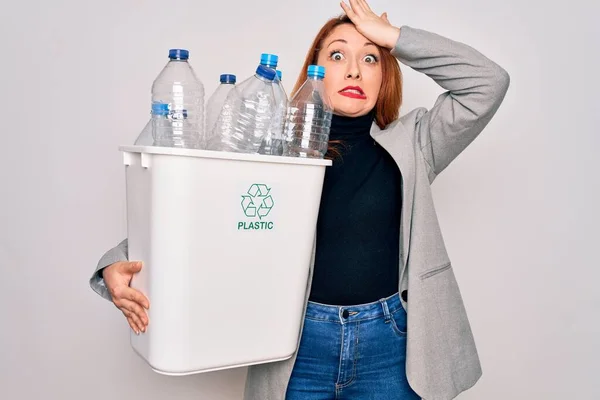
(519,208)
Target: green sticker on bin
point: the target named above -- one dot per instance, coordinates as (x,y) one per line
(257,203)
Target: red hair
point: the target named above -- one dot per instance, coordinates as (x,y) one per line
(387,107)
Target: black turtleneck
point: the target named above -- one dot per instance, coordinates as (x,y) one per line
(358,230)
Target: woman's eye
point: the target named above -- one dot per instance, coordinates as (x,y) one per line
(336,56)
(370,59)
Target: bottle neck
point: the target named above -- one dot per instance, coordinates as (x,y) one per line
(262,78)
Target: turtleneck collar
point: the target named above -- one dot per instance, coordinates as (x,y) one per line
(351,128)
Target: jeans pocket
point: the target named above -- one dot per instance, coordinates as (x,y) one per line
(398,321)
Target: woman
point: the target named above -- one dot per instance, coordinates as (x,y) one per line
(384,317)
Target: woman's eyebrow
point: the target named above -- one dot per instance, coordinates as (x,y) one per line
(346,42)
(337,40)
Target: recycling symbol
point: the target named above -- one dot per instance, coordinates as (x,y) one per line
(258,202)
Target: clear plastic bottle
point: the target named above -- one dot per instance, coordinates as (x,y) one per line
(272,144)
(178,86)
(215,103)
(246,115)
(308,118)
(145,137)
(158,111)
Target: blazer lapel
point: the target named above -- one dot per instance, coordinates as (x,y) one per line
(396,142)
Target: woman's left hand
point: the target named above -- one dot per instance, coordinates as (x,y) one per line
(375,28)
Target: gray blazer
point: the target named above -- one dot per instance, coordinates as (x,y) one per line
(442,359)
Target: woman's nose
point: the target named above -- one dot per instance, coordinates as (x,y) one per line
(353,75)
(353,72)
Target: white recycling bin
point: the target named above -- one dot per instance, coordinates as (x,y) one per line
(226,241)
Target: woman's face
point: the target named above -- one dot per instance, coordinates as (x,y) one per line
(352,71)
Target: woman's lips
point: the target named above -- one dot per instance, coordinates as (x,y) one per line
(353,93)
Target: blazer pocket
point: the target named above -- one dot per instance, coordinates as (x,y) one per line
(435,271)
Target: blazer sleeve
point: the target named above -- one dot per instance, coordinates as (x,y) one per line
(116,254)
(475,88)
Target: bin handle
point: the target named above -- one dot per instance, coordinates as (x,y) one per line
(144,159)
(127,158)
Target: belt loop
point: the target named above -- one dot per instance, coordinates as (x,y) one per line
(386,310)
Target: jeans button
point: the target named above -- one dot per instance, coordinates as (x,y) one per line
(345,314)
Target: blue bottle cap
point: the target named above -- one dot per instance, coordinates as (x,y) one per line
(160,109)
(316,71)
(227,78)
(266,72)
(179,54)
(269,60)
(278,74)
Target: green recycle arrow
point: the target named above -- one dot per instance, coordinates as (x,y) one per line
(258,201)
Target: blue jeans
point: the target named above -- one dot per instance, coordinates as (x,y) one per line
(352,353)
